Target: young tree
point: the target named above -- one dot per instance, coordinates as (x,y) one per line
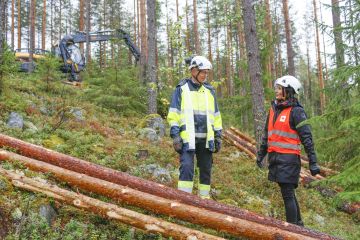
(252,48)
(151,63)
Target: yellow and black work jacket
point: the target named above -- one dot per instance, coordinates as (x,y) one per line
(194,113)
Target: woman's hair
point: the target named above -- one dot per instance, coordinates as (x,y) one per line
(289,93)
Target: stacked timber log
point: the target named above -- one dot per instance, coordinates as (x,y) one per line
(107,210)
(153,196)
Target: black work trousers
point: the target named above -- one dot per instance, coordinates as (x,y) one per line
(204,162)
(292,209)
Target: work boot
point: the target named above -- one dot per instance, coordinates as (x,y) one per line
(300,223)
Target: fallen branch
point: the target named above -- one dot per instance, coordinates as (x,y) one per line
(111,211)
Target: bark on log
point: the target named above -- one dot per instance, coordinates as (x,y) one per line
(107,210)
(114,176)
(220,222)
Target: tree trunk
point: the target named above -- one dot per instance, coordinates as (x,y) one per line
(269,42)
(32,33)
(60,19)
(319,64)
(196,31)
(12,23)
(88,26)
(52,23)
(81,22)
(143,56)
(279,72)
(106,210)
(308,89)
(19,24)
(324,48)
(135,23)
(90,169)
(220,222)
(339,45)
(257,89)
(289,48)
(2,35)
(355,37)
(151,64)
(187,40)
(211,73)
(43,27)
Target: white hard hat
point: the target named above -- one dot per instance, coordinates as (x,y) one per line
(202,63)
(289,81)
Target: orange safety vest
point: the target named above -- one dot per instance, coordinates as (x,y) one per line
(281,138)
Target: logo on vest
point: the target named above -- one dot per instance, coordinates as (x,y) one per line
(282,118)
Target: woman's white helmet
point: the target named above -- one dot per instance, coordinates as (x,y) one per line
(202,63)
(289,81)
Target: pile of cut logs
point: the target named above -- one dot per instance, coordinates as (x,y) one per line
(246,144)
(142,193)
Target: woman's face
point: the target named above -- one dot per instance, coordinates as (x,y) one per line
(279,92)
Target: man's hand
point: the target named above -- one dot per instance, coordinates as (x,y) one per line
(178,144)
(260,162)
(314,169)
(217,144)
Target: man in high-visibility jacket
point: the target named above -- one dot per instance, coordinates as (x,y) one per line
(281,140)
(196,126)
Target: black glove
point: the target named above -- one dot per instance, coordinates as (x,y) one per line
(314,168)
(217,144)
(260,162)
(178,144)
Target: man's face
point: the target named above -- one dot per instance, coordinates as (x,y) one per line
(201,74)
(279,92)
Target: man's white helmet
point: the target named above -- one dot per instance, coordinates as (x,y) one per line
(289,81)
(202,63)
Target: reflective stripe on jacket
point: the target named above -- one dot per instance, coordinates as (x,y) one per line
(194,114)
(281,138)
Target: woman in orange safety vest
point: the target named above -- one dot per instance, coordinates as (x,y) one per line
(281,141)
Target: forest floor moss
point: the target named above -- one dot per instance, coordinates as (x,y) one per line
(106,135)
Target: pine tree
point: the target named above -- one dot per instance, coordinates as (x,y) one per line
(252,48)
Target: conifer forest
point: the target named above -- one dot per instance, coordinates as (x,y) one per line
(179,119)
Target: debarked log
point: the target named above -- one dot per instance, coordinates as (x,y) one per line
(231,141)
(214,220)
(244,143)
(111,175)
(107,210)
(243,136)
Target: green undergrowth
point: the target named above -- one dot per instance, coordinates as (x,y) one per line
(113,110)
